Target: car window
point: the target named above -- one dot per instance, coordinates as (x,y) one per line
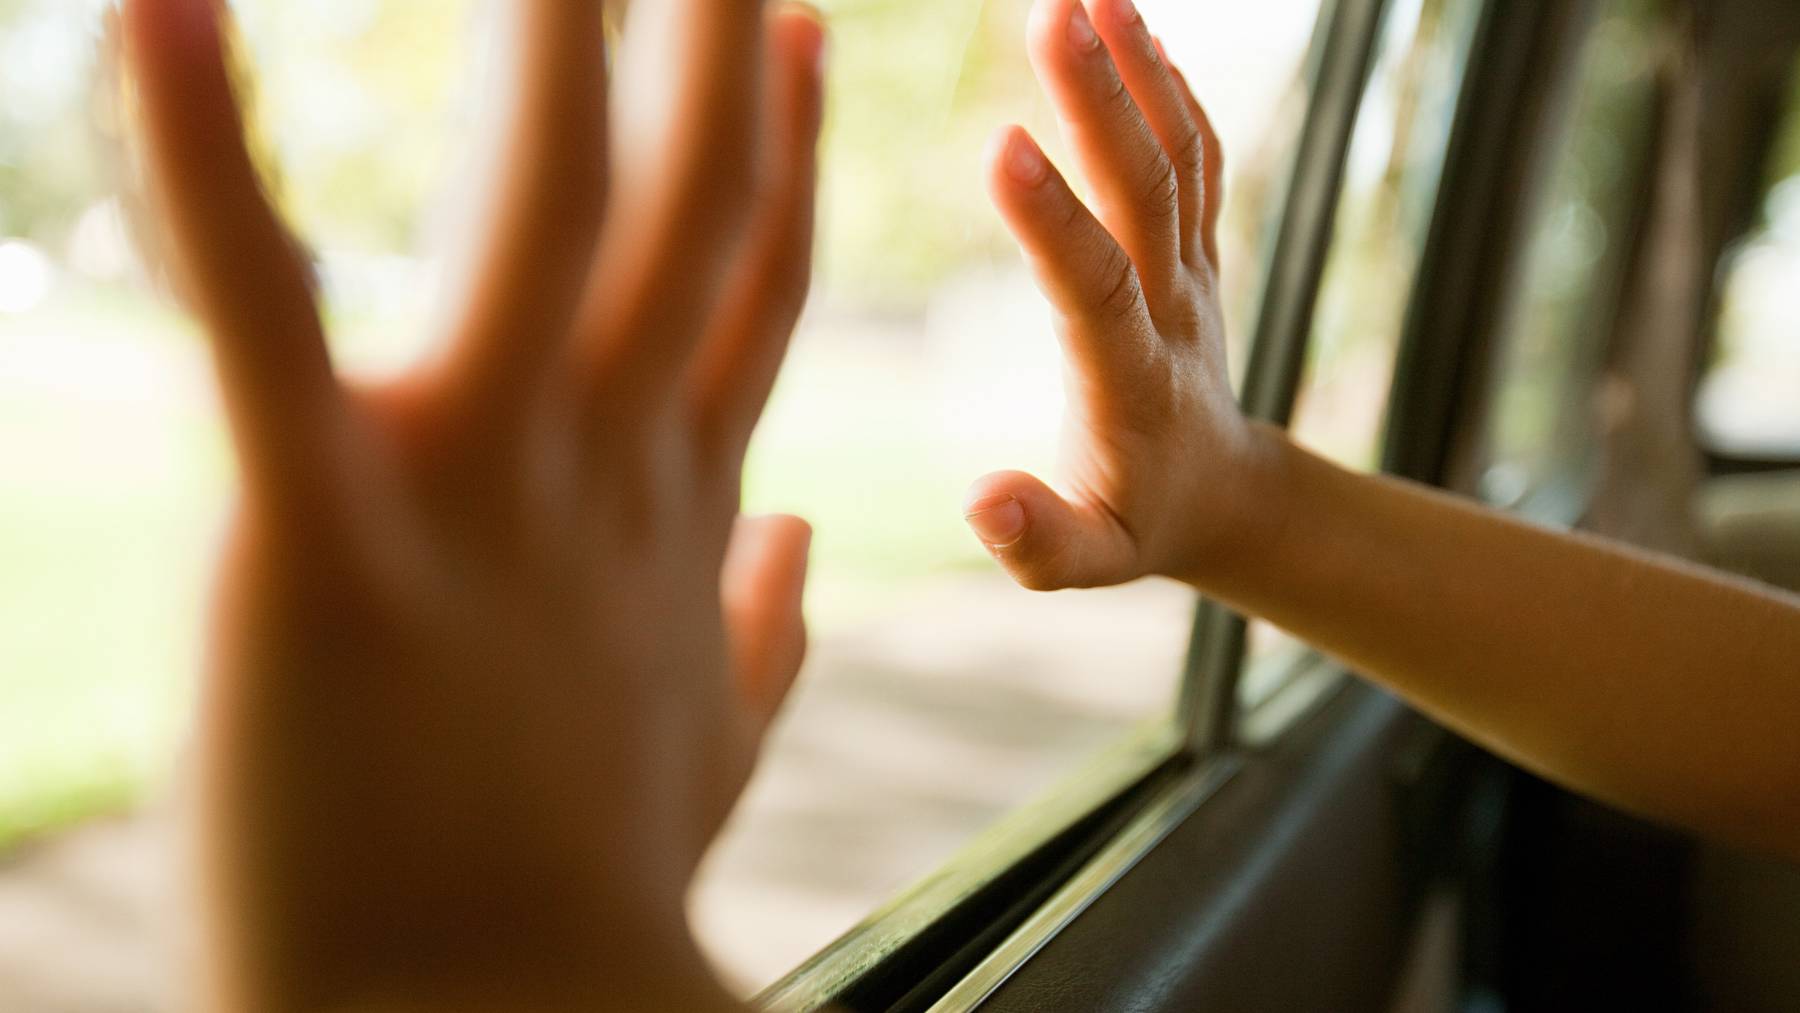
(1541,418)
(1390,188)
(941,696)
(1746,404)
(1395,160)
(937,697)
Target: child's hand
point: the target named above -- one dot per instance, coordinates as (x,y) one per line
(473,711)
(1154,448)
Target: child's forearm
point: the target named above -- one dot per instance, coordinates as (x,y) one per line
(1643,681)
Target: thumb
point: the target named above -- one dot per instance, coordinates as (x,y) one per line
(762,587)
(1046,542)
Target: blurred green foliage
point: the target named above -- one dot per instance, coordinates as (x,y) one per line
(355,106)
(1541,427)
(366,110)
(922,82)
(48,172)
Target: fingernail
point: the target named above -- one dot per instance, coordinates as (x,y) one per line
(1024,162)
(1128,12)
(998,520)
(1081,30)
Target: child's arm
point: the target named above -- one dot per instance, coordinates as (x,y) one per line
(1643,681)
(484,677)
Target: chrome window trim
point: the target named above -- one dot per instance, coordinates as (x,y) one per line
(1172,806)
(979,863)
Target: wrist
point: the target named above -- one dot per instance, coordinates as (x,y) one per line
(1244,527)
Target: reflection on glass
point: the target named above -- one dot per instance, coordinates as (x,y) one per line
(1390,186)
(1395,159)
(938,695)
(1747,404)
(1540,419)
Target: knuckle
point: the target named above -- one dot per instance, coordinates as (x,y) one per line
(1190,154)
(1161,187)
(1122,294)
(1205,281)
(1181,313)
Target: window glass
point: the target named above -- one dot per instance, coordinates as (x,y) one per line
(940,696)
(1390,187)
(1540,421)
(1747,403)
(1395,159)
(937,697)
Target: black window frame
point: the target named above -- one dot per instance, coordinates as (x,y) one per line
(1306,679)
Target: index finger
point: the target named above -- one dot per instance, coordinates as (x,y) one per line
(235,262)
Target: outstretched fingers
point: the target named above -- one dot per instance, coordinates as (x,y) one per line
(1091,284)
(1165,108)
(684,183)
(234,260)
(1134,183)
(744,348)
(1044,541)
(533,265)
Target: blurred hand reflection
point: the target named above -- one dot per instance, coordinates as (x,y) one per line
(494,651)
